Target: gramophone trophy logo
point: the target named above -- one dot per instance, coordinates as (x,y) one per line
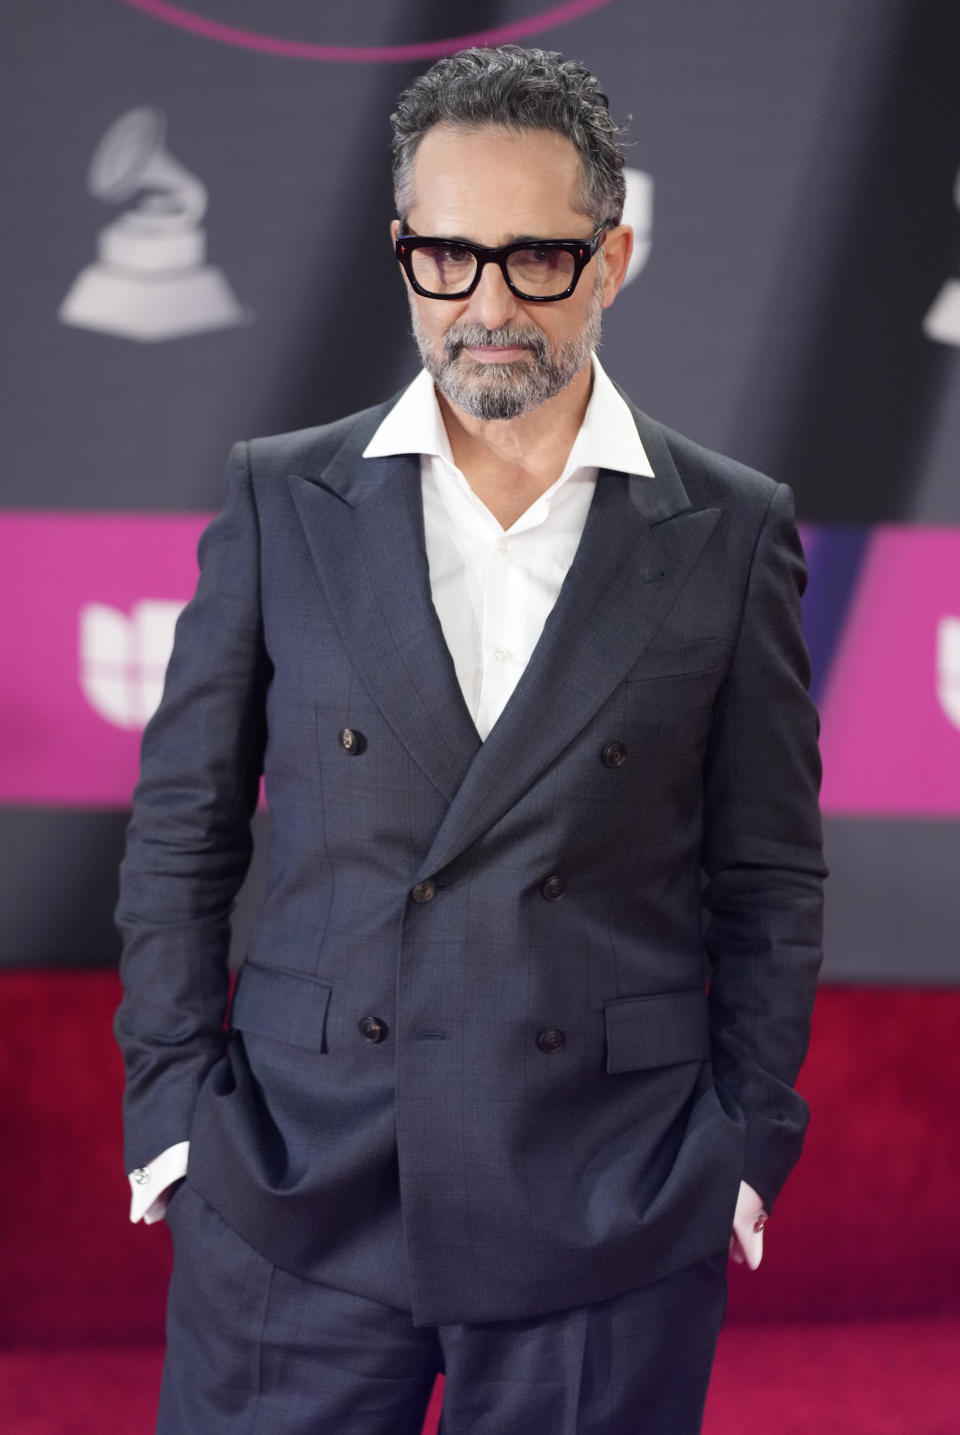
(942,321)
(150,281)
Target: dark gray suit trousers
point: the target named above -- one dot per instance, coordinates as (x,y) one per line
(254,1350)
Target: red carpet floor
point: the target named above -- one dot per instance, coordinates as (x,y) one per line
(852,1324)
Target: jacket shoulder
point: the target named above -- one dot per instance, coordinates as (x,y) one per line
(712,479)
(309,450)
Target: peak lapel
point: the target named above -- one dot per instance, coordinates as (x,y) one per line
(364,524)
(639,544)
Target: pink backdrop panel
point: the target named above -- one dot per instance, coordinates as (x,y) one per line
(89,601)
(891,710)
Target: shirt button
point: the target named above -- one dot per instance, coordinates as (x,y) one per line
(552,1039)
(372,1028)
(614,754)
(503,546)
(501,654)
(553,889)
(424,891)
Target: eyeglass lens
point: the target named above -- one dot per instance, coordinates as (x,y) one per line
(449,269)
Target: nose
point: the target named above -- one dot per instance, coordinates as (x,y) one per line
(492,303)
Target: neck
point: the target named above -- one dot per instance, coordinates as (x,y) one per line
(509,463)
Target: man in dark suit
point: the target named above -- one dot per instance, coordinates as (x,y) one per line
(524,675)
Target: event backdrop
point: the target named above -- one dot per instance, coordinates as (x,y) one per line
(196,207)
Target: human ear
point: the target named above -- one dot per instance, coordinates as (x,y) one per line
(617,248)
(394,231)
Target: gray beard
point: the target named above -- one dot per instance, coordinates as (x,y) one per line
(505,391)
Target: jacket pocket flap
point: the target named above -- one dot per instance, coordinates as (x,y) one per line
(657,1030)
(283,1005)
(677,660)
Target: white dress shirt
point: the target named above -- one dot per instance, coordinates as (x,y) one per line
(493,589)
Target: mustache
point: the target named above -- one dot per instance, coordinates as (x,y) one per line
(466,335)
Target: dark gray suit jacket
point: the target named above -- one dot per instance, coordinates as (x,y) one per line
(555,1109)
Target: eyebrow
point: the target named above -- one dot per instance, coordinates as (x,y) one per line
(517,239)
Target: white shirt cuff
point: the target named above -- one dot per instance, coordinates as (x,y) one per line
(749,1219)
(150,1184)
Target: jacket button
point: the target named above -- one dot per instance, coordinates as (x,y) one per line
(351,741)
(551,1040)
(424,891)
(554,888)
(372,1028)
(614,754)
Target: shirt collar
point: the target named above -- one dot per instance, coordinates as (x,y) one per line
(607,438)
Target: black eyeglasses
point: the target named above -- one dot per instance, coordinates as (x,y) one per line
(538,270)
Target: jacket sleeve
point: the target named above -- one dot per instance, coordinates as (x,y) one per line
(763,861)
(189,841)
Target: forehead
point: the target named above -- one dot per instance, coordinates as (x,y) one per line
(493,185)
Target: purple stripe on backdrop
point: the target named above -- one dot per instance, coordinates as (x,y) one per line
(363,54)
(835,554)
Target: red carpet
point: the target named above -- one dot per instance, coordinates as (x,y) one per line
(852,1324)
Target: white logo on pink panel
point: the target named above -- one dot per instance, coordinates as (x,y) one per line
(123,659)
(96,596)
(948,668)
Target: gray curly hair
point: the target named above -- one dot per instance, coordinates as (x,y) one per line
(517,89)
